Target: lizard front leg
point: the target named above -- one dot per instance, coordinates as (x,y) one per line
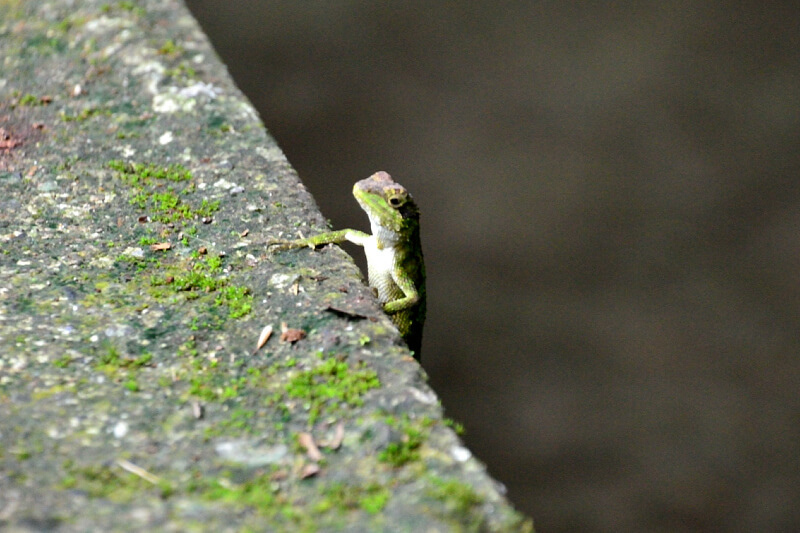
(332,237)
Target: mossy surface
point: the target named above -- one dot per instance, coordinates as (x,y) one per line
(139,190)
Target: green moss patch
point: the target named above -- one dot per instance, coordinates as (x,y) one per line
(202,280)
(112,483)
(121,369)
(459,497)
(342,497)
(330,384)
(161,190)
(84,114)
(413,434)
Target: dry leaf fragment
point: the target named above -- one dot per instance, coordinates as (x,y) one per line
(8,141)
(138,471)
(338,437)
(161,246)
(266,333)
(307,442)
(7,145)
(336,441)
(293,335)
(309,470)
(279,475)
(290,334)
(244,233)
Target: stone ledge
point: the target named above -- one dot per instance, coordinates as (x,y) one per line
(138,190)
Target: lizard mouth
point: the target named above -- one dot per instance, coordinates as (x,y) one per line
(378,210)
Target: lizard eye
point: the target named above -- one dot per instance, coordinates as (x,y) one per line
(396,201)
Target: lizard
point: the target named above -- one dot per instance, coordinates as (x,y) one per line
(395,266)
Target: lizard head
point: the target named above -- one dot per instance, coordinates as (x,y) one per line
(387,203)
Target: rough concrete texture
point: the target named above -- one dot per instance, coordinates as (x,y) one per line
(138,190)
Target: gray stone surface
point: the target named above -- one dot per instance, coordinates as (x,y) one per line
(138,189)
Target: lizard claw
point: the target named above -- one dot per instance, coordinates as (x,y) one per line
(279,246)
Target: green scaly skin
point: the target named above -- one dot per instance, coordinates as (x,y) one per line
(394,253)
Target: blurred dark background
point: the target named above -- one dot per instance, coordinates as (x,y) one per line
(611,224)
